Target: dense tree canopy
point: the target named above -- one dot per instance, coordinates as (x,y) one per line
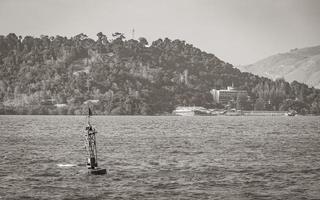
(128,77)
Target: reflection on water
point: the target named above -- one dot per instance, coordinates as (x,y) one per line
(161,158)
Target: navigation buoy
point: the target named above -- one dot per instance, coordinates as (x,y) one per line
(91,147)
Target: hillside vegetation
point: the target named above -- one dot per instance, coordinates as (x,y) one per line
(302,65)
(128,77)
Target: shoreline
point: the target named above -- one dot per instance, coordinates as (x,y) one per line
(245,114)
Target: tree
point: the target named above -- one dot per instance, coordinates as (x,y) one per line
(242,101)
(145,109)
(118,35)
(260,104)
(296,105)
(143,41)
(315,107)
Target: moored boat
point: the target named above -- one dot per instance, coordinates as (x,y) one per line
(196,111)
(190,111)
(234,112)
(291,113)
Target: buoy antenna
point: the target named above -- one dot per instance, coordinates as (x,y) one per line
(89,115)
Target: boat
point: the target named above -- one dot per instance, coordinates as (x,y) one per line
(196,111)
(91,147)
(190,111)
(234,112)
(217,111)
(291,113)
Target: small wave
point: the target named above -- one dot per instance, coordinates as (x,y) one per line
(66,165)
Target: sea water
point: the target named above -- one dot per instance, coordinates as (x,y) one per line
(160,157)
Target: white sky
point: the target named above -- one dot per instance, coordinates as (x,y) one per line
(237,31)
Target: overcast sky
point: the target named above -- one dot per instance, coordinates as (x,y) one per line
(236,31)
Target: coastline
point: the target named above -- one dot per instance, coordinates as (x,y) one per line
(245,114)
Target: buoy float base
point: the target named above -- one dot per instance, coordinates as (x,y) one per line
(97,171)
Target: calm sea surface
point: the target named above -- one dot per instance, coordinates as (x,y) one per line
(43,157)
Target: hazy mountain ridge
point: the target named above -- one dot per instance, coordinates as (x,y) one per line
(302,65)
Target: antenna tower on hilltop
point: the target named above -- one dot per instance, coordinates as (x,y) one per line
(133,33)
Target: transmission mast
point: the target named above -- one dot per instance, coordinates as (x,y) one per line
(133,33)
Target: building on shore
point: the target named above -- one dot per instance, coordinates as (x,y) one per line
(225,96)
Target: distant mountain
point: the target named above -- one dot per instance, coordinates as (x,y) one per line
(302,65)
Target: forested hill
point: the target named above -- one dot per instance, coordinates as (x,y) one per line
(59,75)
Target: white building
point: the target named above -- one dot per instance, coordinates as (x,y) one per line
(224,96)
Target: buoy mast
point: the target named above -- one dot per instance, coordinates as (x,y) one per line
(91,147)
